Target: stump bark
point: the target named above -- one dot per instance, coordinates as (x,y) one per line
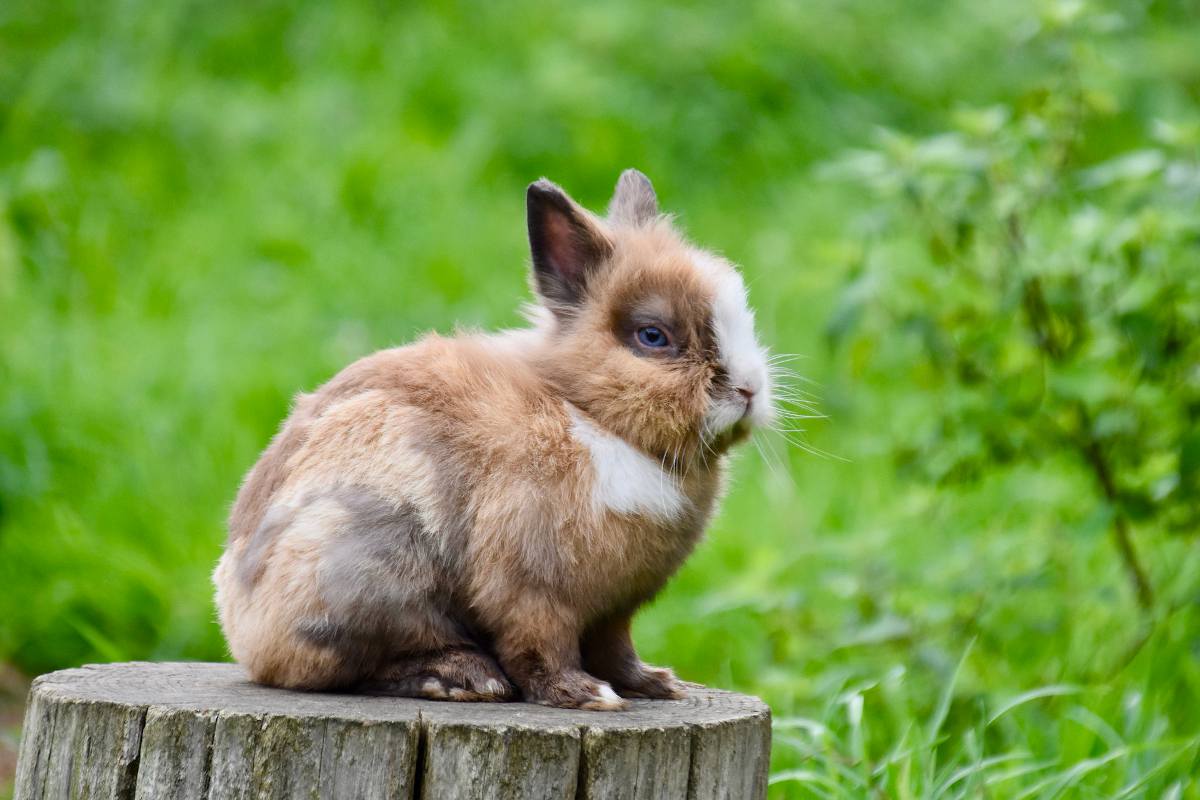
(190,731)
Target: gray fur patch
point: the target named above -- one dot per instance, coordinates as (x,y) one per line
(382,531)
(383,584)
(253,560)
(326,633)
(453,481)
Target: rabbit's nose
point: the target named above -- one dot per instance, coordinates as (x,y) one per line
(747,395)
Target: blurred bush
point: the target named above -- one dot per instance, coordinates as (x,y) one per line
(1055,305)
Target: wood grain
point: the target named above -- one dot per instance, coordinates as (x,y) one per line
(203,732)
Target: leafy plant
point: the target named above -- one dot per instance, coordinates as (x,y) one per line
(1047,298)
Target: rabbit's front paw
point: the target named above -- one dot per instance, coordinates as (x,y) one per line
(576,689)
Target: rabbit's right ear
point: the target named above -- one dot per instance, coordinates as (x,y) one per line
(633,201)
(567,244)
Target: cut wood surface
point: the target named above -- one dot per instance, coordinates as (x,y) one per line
(187,731)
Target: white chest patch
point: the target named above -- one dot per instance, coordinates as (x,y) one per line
(626,480)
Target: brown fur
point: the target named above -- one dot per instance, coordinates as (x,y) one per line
(430,522)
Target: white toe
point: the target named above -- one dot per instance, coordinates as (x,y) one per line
(606,700)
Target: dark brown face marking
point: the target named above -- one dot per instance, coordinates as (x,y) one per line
(652,312)
(684,318)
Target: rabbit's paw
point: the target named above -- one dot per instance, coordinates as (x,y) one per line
(656,683)
(576,689)
(456,674)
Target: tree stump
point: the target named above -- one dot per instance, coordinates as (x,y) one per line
(186,731)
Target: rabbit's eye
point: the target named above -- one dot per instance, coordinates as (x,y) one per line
(650,336)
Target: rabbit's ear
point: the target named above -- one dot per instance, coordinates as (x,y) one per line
(633,201)
(567,245)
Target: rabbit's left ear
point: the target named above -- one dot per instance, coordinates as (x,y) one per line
(633,201)
(567,245)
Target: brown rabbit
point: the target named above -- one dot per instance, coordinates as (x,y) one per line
(443,518)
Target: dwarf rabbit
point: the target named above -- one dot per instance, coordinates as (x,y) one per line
(465,514)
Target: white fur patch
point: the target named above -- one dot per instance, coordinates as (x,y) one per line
(741,356)
(606,700)
(607,693)
(626,480)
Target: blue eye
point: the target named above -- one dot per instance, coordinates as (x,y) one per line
(651,336)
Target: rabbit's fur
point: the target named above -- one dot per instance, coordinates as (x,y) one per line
(463,514)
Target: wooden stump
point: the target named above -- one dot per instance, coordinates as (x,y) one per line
(184,731)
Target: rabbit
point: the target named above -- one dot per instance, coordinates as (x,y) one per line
(478,517)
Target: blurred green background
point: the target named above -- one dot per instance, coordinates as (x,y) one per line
(207,207)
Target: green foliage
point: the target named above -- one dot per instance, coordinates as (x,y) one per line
(1055,306)
(205,208)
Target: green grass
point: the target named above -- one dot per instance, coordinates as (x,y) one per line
(206,208)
